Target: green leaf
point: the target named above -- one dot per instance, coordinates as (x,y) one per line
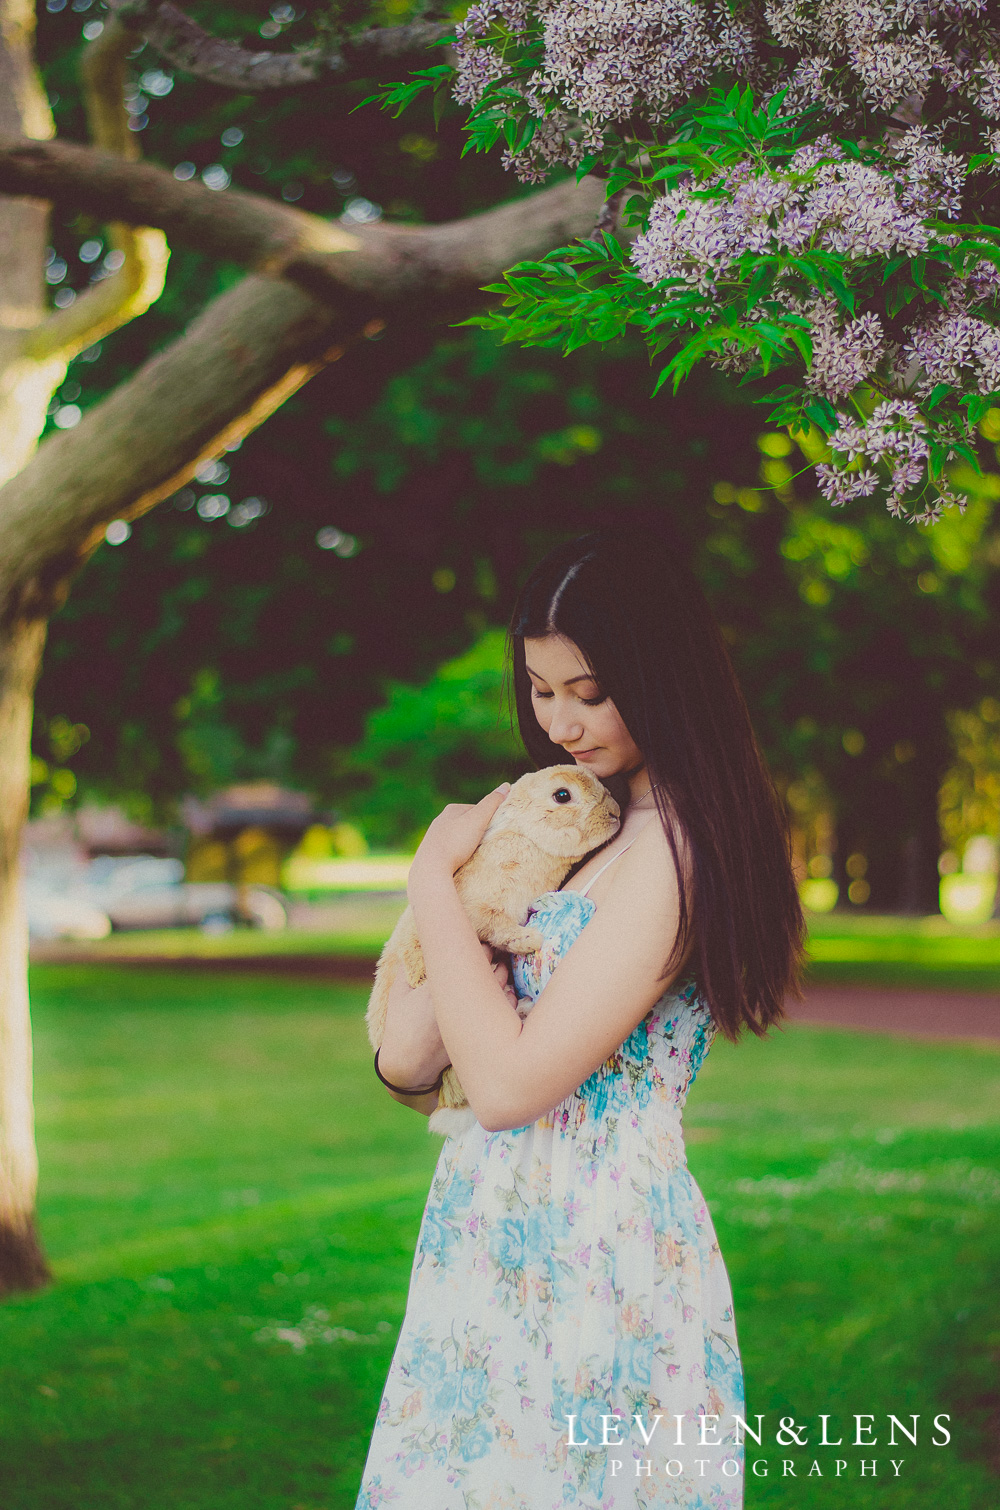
(939,392)
(823,414)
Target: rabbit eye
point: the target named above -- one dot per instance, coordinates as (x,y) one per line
(562,794)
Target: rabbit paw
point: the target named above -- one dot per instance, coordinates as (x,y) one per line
(524,941)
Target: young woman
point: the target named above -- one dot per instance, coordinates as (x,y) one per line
(569,1336)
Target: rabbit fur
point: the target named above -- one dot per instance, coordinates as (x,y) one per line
(548,821)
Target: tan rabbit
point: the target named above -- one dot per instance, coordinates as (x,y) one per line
(548,821)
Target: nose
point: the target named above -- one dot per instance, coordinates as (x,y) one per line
(564,729)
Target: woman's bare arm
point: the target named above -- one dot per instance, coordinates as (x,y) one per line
(514,1072)
(412,1051)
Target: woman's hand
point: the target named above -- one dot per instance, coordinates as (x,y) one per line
(502,973)
(452,837)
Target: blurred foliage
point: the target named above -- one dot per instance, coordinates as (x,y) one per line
(449,740)
(970,793)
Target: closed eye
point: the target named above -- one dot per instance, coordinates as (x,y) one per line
(591,702)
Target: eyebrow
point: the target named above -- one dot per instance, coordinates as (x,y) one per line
(586,677)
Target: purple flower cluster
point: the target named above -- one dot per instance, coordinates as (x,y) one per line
(895,435)
(606,62)
(884,51)
(957,349)
(821,199)
(698,235)
(845,351)
(602,77)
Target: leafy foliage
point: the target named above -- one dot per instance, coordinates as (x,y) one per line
(449,739)
(809,195)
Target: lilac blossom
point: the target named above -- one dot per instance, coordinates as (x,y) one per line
(844,351)
(957,349)
(842,206)
(895,437)
(605,76)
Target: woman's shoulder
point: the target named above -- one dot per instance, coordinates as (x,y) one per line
(654,851)
(668,851)
(646,866)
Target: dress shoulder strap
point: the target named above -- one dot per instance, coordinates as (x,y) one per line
(614,857)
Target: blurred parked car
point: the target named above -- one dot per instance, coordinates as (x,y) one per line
(140,891)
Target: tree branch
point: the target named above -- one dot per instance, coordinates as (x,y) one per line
(382,263)
(250,349)
(188,47)
(129,291)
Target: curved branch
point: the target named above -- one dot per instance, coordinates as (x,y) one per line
(103,75)
(129,291)
(249,350)
(382,263)
(188,47)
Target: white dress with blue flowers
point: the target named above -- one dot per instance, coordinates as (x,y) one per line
(570,1268)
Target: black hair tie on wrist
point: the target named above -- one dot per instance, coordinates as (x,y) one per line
(410,1090)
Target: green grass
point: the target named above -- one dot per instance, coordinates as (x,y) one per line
(220,1166)
(921,952)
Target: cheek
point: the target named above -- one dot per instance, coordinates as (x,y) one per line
(608,723)
(612,726)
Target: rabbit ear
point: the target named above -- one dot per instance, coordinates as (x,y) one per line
(505,816)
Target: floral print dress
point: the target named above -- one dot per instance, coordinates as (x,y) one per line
(569,1268)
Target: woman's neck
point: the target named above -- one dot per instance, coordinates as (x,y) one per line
(640,790)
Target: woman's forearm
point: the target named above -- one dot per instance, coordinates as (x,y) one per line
(412,1052)
(478,1025)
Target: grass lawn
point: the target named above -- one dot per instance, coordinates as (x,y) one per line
(231,1203)
(929,952)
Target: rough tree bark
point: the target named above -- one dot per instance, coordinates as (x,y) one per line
(182,42)
(22,1264)
(386,263)
(316,290)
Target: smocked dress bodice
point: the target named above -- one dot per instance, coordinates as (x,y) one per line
(656,1064)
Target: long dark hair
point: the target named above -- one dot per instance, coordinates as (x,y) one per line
(630,604)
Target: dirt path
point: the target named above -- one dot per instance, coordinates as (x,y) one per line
(874,1009)
(896,1009)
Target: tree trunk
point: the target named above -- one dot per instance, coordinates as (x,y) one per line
(25,386)
(887,821)
(919,880)
(22,1265)
(25,389)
